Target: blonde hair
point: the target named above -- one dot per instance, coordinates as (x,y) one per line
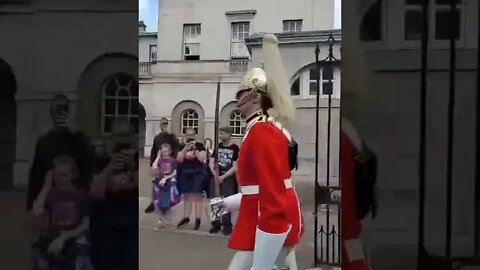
(168,146)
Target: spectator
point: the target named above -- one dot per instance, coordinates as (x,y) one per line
(161,138)
(63,242)
(193,174)
(61,140)
(226,160)
(115,189)
(164,169)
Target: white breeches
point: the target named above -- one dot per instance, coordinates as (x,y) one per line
(243,260)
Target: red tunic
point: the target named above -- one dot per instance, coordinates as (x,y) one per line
(351,226)
(263,161)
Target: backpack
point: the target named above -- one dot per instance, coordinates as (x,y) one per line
(365,182)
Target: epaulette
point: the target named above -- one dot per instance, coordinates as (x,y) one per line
(273,121)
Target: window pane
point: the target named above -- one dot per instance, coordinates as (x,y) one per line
(295,90)
(413,25)
(123,107)
(327,72)
(313,88)
(111,88)
(134,108)
(327,88)
(371,25)
(109,106)
(444,24)
(314,74)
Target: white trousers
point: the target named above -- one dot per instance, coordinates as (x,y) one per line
(243,260)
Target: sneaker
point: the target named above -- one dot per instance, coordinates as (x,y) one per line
(150,208)
(183,222)
(215,227)
(197,224)
(159,226)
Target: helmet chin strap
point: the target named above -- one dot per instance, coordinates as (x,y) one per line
(246,98)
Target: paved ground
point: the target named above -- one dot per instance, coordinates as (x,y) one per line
(203,251)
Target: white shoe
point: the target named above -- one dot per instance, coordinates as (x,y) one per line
(158,226)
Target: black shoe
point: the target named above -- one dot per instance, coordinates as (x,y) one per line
(150,208)
(215,227)
(197,224)
(227,231)
(183,222)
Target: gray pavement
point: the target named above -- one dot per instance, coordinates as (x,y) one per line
(204,251)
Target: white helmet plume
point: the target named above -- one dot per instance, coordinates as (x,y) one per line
(278,86)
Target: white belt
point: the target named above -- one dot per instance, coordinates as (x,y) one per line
(253,190)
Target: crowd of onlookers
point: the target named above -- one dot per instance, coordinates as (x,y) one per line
(83,199)
(187,169)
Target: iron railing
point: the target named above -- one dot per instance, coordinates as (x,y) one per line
(327,238)
(238,65)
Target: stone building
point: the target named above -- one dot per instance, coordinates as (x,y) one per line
(100,79)
(381,96)
(200,48)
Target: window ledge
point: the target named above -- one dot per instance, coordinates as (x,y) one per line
(241,12)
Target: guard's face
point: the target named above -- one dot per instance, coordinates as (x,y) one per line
(244,101)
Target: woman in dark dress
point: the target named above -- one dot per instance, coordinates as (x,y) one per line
(192,176)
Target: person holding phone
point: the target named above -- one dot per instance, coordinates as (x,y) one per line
(193,174)
(114,228)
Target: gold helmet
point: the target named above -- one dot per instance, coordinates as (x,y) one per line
(272,81)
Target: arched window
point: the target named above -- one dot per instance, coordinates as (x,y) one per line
(120,100)
(237,122)
(295,89)
(371,26)
(189,120)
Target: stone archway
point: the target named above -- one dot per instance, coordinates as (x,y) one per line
(90,89)
(8,88)
(177,112)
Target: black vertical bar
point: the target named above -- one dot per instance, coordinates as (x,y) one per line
(317,52)
(422,139)
(215,133)
(329,120)
(450,127)
(477,167)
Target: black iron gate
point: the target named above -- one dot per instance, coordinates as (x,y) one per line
(327,245)
(425,260)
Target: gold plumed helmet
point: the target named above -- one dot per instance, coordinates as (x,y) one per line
(272,81)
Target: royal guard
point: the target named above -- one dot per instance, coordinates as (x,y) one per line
(352,248)
(270,221)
